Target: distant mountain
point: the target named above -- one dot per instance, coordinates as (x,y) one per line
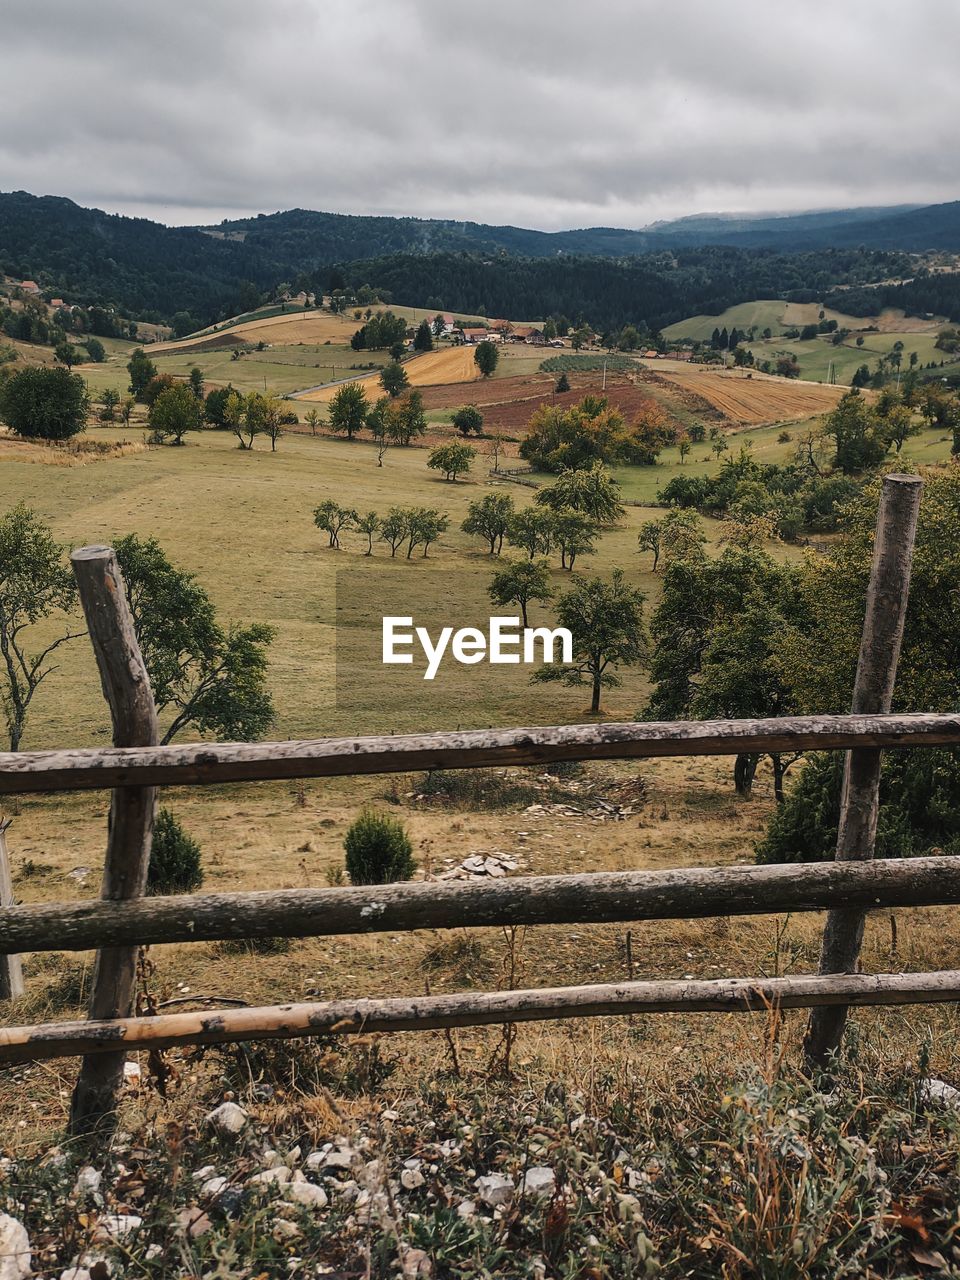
(301,237)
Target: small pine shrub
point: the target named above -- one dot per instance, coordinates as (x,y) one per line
(378,850)
(175,859)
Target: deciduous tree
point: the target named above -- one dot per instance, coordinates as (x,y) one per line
(35,585)
(520,582)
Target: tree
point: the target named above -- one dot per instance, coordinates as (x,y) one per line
(683,446)
(313,420)
(67,354)
(96,351)
(176,863)
(563,384)
(592,491)
(348,410)
(244,417)
(182,324)
(215,404)
(681,537)
(162,382)
(648,539)
(332,518)
(575,534)
(489,517)
(533,531)
(393,529)
(423,338)
(857,430)
(577,436)
(486,358)
(716,631)
(424,527)
(175,412)
(109,401)
(196,381)
(393,379)
(370,524)
(404,419)
(127,406)
(273,419)
(520,582)
(468,419)
(605,620)
(203,676)
(45,404)
(141,370)
(439,324)
(452,459)
(34,585)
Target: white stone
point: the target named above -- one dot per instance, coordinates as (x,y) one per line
(939,1091)
(467,1209)
(539,1181)
(131,1072)
(201,1175)
(275,1177)
(75,1273)
(307,1194)
(88,1181)
(227,1118)
(315,1160)
(272,1158)
(494,1189)
(337,1160)
(283,1230)
(411,1179)
(14,1249)
(213,1187)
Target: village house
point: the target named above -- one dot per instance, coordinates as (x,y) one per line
(528,333)
(470,336)
(30,286)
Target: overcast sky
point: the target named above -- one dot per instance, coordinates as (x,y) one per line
(541,113)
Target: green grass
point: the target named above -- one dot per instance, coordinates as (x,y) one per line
(280,369)
(816,355)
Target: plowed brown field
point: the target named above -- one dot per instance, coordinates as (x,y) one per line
(507,403)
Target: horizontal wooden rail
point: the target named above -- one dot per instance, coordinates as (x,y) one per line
(196,764)
(472,1009)
(600,897)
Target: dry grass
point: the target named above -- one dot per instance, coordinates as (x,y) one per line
(69,453)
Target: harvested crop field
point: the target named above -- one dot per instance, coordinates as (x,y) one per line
(508,403)
(751,400)
(297,326)
(449,365)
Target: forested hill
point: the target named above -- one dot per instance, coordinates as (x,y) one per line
(656,290)
(610,277)
(146,269)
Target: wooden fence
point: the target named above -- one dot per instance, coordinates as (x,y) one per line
(123,920)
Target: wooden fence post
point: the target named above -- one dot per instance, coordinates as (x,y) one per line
(880,643)
(126,687)
(11,971)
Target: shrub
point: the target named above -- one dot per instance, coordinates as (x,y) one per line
(45,404)
(378,850)
(175,859)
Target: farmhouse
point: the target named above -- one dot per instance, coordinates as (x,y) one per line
(474,335)
(29,286)
(529,334)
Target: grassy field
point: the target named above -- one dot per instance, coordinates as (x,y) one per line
(817,355)
(765,313)
(243,523)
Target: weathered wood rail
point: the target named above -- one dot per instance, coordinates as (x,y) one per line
(123,920)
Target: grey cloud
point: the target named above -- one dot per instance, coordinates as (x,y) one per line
(545,113)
